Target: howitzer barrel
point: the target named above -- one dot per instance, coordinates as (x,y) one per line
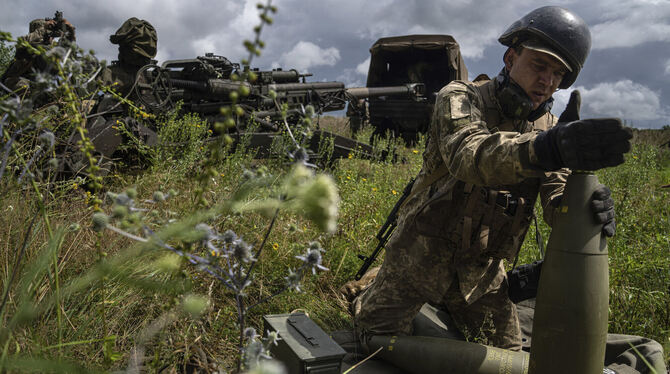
(285,87)
(428,355)
(570,324)
(414,90)
(281,76)
(216,87)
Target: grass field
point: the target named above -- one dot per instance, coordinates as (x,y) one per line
(87,299)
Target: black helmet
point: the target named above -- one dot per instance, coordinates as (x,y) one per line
(560,30)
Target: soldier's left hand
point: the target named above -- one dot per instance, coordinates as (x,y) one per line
(602,206)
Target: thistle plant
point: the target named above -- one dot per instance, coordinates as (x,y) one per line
(67,82)
(225,256)
(198,238)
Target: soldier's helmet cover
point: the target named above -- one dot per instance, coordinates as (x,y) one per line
(559,31)
(137,40)
(37,24)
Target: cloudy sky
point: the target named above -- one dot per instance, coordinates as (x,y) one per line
(627,74)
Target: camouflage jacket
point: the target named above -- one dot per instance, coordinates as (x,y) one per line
(473,200)
(20,70)
(120,76)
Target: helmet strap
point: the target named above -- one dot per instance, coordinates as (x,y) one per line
(515,103)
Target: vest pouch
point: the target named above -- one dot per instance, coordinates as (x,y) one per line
(488,228)
(437,216)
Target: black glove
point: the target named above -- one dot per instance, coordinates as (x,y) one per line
(602,206)
(588,144)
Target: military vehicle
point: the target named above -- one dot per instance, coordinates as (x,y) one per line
(204,85)
(433,60)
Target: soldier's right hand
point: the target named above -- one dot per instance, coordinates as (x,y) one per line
(588,144)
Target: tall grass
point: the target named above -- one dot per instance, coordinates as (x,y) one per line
(82,297)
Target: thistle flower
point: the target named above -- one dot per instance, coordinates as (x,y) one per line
(122,199)
(206,232)
(250,333)
(159,196)
(268,367)
(229,237)
(293,280)
(309,111)
(100,221)
(56,52)
(320,201)
(272,337)
(254,352)
(242,251)
(47,139)
(314,245)
(300,155)
(53,163)
(194,305)
(313,260)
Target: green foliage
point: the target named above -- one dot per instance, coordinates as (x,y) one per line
(6,56)
(181,139)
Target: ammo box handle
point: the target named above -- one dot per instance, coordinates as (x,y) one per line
(310,339)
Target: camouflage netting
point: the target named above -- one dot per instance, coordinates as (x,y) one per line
(137,40)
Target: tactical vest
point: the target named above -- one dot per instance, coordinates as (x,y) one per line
(483,221)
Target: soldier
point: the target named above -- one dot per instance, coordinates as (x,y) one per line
(492,148)
(137,40)
(42,32)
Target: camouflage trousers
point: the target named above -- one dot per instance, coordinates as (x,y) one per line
(402,286)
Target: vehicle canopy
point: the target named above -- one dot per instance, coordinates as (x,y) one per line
(434,60)
(431,59)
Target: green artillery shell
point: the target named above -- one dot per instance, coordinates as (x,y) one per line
(570,325)
(428,355)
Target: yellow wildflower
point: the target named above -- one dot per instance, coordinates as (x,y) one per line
(415,151)
(394,192)
(275,246)
(351,155)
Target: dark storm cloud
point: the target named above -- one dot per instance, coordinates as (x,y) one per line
(627,73)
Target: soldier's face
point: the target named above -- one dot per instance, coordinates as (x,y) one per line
(539,74)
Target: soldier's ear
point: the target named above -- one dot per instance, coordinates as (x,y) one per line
(509,57)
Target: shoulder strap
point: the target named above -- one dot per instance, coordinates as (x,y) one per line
(486,90)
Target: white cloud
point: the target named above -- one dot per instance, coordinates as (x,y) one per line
(667,67)
(363,67)
(631,23)
(624,99)
(305,55)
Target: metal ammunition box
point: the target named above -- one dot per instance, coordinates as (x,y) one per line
(304,347)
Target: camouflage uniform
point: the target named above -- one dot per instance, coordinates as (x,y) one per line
(137,40)
(20,71)
(469,209)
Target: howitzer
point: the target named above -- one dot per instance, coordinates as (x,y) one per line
(204,85)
